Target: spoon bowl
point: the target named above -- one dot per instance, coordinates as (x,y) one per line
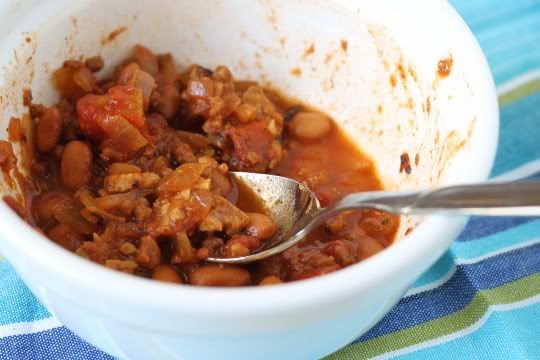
(289,203)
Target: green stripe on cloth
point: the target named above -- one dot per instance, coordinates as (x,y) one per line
(519,92)
(518,290)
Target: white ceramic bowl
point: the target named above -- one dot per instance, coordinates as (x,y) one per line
(380,83)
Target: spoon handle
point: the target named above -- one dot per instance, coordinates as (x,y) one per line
(491,199)
(488,199)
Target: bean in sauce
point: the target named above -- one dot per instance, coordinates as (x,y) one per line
(76,165)
(309,126)
(166,273)
(48,129)
(220,275)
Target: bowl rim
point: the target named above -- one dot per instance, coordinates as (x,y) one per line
(249,301)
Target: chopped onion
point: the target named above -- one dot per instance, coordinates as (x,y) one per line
(127,73)
(146,59)
(69,213)
(85,79)
(203,88)
(90,203)
(122,135)
(132,75)
(119,168)
(183,178)
(195,140)
(184,251)
(146,83)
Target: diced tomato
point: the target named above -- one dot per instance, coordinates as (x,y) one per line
(125,101)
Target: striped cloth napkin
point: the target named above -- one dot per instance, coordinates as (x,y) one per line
(481,300)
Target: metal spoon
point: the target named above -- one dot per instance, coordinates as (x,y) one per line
(297,211)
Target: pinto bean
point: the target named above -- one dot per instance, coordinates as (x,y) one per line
(241,245)
(309,126)
(261,226)
(166,273)
(65,237)
(45,206)
(168,101)
(167,69)
(270,280)
(218,275)
(48,130)
(147,60)
(76,165)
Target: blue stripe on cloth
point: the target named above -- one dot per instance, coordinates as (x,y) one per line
(496,242)
(505,30)
(480,20)
(459,290)
(437,271)
(479,227)
(518,143)
(505,335)
(58,343)
(535,176)
(504,47)
(17,303)
(480,247)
